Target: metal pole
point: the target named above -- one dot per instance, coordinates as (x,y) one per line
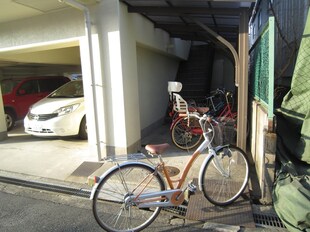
(243,87)
(85,10)
(226,43)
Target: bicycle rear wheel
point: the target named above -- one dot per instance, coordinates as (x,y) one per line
(225,176)
(186,136)
(114,207)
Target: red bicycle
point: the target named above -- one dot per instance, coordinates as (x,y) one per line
(186,132)
(227,116)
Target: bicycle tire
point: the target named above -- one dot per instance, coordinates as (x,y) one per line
(109,207)
(223,190)
(186,136)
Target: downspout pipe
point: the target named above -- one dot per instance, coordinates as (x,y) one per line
(85,10)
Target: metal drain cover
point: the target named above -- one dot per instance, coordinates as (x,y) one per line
(178,211)
(172,171)
(267,220)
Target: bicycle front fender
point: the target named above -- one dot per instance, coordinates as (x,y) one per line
(200,177)
(101,178)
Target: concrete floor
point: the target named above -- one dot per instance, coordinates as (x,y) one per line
(62,158)
(53,158)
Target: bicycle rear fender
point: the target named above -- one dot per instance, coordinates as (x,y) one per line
(116,167)
(205,163)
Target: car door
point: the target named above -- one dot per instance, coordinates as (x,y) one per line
(26,95)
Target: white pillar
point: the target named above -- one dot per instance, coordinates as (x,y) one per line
(3,130)
(116,82)
(96,137)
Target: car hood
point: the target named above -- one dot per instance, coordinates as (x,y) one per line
(49,105)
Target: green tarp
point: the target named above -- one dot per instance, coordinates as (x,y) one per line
(291,195)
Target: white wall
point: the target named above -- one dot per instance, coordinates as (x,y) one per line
(119,32)
(149,59)
(223,75)
(154,71)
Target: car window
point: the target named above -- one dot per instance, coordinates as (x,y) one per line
(70,90)
(49,85)
(28,87)
(8,85)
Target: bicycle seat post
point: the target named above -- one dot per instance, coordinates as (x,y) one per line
(161,161)
(157,149)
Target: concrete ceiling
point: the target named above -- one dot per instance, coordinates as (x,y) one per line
(173,16)
(66,54)
(11,10)
(61,54)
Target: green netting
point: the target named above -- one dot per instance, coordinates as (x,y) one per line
(296,104)
(259,68)
(291,194)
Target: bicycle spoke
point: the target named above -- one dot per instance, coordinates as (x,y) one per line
(225,176)
(114,207)
(186,136)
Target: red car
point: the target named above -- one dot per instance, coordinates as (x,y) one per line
(19,94)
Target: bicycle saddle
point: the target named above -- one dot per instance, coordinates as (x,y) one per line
(202,110)
(156,149)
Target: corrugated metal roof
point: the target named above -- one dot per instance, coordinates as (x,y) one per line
(177,17)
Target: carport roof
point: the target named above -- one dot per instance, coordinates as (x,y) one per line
(174,16)
(178,17)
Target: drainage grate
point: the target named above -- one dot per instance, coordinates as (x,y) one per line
(178,211)
(267,220)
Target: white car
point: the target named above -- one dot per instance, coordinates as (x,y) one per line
(62,113)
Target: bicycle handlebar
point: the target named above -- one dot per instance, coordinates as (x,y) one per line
(203,119)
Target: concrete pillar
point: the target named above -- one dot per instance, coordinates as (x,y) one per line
(94,105)
(3,130)
(116,82)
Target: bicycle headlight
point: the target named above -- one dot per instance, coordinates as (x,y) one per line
(66,110)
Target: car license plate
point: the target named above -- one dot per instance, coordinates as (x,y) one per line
(37,127)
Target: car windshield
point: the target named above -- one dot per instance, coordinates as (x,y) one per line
(72,89)
(8,85)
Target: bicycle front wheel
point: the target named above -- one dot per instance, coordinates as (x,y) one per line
(225,176)
(114,205)
(186,136)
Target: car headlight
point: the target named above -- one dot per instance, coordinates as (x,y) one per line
(30,108)
(66,110)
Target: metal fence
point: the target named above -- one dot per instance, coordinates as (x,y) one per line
(291,17)
(262,67)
